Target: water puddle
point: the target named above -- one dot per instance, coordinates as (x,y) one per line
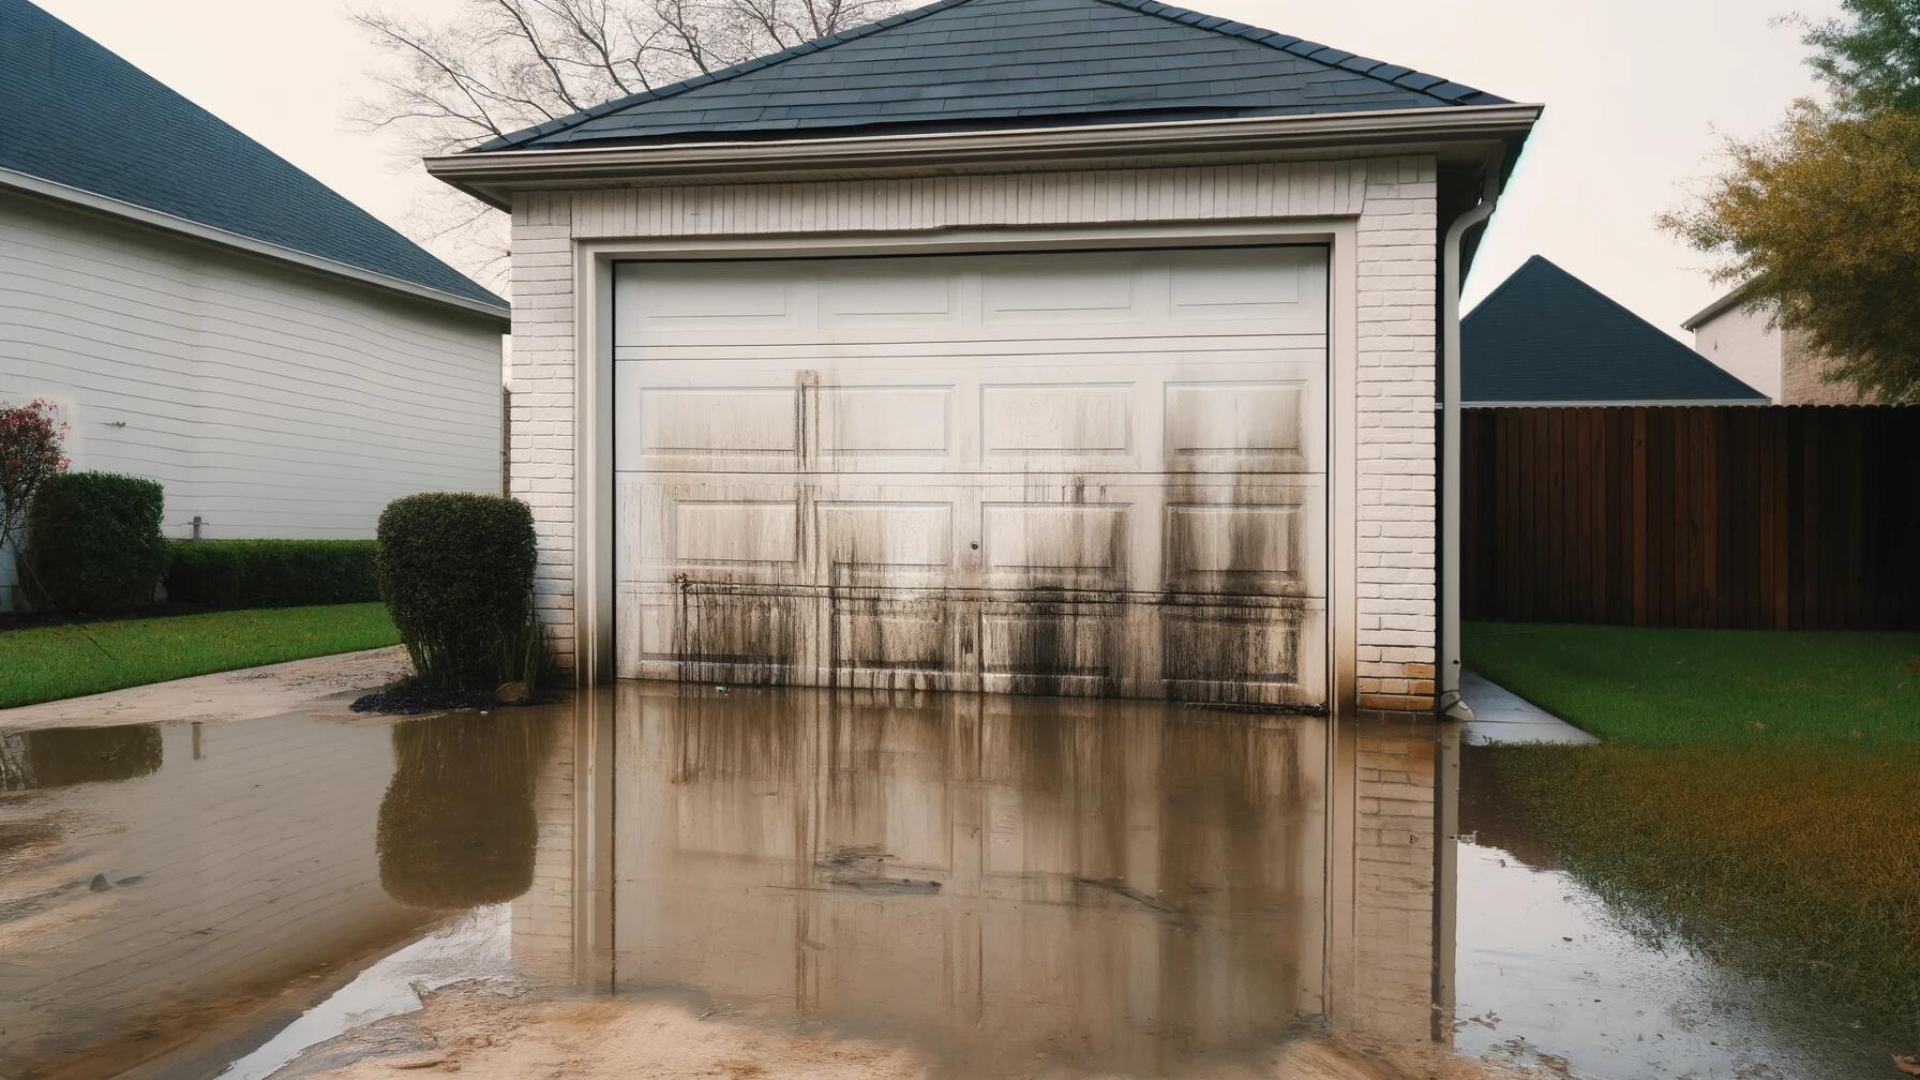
(688,881)
(1546,971)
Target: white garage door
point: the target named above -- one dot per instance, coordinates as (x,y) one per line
(1073,473)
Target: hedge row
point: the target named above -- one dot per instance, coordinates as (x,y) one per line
(271,573)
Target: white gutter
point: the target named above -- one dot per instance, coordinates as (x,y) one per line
(790,158)
(126,211)
(1448,670)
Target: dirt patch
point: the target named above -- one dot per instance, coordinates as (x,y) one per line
(247,694)
(476,1031)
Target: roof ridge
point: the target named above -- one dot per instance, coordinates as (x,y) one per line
(1678,353)
(1399,75)
(1536,257)
(792,52)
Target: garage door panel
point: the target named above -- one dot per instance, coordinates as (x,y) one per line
(875,426)
(1218,286)
(918,293)
(1072,474)
(1056,545)
(717,528)
(1242,425)
(716,631)
(709,297)
(704,424)
(888,537)
(1227,652)
(1050,419)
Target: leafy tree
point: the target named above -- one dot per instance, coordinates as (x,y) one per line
(1821,222)
(503,65)
(1872,56)
(1818,222)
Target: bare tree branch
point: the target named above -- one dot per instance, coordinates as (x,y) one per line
(502,65)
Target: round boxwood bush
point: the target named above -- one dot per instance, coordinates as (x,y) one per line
(94,542)
(456,572)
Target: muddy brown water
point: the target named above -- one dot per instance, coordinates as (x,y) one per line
(1005,885)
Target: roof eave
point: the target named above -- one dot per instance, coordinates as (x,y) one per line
(492,176)
(1737,298)
(27,183)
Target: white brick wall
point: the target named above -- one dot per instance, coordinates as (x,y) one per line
(1392,200)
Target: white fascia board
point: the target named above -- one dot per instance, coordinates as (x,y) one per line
(126,211)
(795,159)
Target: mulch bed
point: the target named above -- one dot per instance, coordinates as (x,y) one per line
(404,698)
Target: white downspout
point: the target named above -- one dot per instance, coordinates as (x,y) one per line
(1450,705)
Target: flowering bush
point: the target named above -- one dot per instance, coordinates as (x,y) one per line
(30,438)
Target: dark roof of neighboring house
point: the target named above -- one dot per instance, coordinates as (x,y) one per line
(81,117)
(960,65)
(1546,336)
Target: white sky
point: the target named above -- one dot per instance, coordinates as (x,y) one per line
(1634,89)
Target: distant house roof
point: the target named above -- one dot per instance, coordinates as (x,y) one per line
(81,118)
(1546,337)
(1716,309)
(959,65)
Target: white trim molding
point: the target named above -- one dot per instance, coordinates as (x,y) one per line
(494,176)
(38,187)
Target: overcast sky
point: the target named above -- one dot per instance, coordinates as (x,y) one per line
(1635,91)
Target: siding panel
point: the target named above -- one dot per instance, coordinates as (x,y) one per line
(268,401)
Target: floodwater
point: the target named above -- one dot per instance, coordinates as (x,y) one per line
(1005,886)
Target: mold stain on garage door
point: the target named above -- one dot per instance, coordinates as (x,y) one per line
(1064,473)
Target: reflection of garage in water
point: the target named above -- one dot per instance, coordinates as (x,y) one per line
(1107,884)
(1080,473)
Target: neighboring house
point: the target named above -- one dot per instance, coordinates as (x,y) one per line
(207,315)
(1544,337)
(1051,346)
(1778,362)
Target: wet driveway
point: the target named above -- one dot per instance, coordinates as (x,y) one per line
(1003,886)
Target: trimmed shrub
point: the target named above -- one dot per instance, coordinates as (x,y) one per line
(94,542)
(271,573)
(456,572)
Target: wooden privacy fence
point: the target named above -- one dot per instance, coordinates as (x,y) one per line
(1802,517)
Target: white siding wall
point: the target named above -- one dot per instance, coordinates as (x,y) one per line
(269,401)
(1393,200)
(1740,342)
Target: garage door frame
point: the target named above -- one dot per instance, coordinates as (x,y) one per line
(594,479)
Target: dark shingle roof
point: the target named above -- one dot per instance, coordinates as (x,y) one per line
(958,64)
(78,115)
(1546,336)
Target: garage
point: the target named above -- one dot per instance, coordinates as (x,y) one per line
(1071,472)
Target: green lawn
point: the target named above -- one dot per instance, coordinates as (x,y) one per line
(1725,687)
(49,663)
(1794,862)
(1754,795)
